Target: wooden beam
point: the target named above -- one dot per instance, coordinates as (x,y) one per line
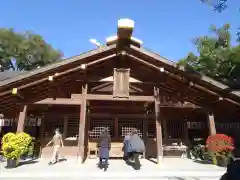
(60,74)
(130,116)
(82,124)
(181,78)
(65,125)
(144,62)
(21,119)
(34,94)
(101,86)
(158,127)
(59,101)
(101,97)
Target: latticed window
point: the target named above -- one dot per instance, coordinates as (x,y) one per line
(97,127)
(151,129)
(195,125)
(127,126)
(175,128)
(73,125)
(51,123)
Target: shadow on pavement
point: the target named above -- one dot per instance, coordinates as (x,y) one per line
(28,162)
(134,165)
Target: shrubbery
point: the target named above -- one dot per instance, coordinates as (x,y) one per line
(15,145)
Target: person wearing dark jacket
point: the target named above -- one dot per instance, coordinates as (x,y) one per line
(136,147)
(104,146)
(233,168)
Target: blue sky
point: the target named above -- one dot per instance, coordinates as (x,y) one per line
(165,26)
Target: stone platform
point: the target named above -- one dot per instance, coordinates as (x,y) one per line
(171,168)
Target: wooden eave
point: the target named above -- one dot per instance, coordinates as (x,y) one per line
(212,86)
(57,67)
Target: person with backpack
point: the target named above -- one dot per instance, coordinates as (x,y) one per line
(57,145)
(136,147)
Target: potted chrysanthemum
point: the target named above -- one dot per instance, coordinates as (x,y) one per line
(14,146)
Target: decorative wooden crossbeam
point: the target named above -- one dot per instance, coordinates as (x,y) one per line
(60,101)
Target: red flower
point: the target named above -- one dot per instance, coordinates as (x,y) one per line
(219,143)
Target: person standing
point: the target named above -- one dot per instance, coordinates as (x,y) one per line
(104,146)
(126,146)
(57,145)
(136,147)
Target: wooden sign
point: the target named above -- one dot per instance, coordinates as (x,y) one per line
(121,83)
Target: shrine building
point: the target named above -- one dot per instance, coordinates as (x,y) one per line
(120,86)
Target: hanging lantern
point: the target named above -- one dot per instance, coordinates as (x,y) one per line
(14,91)
(50,78)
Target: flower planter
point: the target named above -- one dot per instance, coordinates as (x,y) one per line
(222,161)
(11,163)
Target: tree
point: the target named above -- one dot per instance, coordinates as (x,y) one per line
(217,58)
(24,51)
(218,5)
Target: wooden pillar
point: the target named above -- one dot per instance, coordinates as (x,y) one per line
(165,130)
(21,119)
(145,134)
(186,138)
(116,133)
(42,130)
(42,134)
(158,127)
(82,124)
(211,122)
(65,126)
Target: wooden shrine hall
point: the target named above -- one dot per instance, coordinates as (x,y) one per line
(120,86)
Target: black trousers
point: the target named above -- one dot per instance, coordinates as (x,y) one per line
(103,159)
(132,155)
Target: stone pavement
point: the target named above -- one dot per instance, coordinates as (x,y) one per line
(174,169)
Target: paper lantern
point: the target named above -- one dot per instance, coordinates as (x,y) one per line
(83,66)
(14,91)
(50,78)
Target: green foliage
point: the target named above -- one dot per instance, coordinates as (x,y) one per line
(219,6)
(198,151)
(24,51)
(217,58)
(15,145)
(25,140)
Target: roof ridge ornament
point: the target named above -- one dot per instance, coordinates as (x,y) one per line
(124,34)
